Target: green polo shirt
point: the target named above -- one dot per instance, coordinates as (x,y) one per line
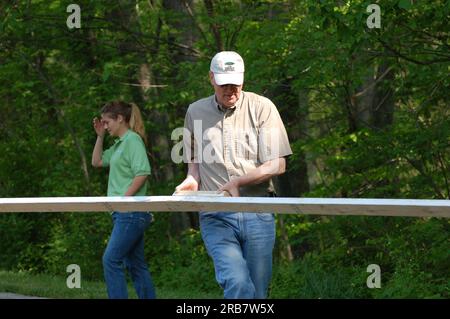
(127,159)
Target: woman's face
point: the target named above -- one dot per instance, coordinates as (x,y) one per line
(114,127)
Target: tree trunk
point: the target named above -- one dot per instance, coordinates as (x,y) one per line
(373,104)
(184,26)
(383,101)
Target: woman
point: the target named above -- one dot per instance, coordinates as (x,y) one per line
(128,171)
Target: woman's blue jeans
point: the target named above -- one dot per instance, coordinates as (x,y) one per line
(126,249)
(241,246)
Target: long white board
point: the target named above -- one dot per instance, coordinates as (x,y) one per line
(315,206)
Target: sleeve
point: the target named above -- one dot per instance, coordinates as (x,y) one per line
(272,139)
(106,156)
(189,149)
(138,157)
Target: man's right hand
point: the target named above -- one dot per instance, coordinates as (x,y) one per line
(189,184)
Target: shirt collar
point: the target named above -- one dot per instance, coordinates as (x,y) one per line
(123,137)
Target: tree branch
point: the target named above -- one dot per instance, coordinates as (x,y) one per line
(214,27)
(374,82)
(196,24)
(401,55)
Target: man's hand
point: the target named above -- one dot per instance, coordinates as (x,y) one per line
(256,176)
(189,184)
(232,187)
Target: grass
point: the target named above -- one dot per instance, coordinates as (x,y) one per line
(48,286)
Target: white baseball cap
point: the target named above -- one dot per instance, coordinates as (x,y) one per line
(228,68)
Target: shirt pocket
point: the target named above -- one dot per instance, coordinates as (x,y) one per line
(246,146)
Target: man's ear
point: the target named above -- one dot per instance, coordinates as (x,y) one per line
(211,78)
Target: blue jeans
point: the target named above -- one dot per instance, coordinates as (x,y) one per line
(241,246)
(126,249)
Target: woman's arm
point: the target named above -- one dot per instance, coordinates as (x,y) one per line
(98,148)
(136,184)
(97,152)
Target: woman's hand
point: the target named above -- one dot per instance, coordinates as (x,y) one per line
(98,127)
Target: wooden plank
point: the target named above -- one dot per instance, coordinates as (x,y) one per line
(201,193)
(182,203)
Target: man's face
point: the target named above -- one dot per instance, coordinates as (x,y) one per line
(227,95)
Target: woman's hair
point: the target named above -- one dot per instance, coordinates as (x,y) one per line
(130,113)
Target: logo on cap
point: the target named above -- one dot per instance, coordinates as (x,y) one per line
(229,67)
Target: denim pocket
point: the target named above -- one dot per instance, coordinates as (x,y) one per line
(206,215)
(143,219)
(266,217)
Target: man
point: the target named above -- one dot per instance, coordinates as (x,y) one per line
(234,142)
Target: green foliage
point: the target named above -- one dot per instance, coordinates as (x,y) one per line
(317,61)
(78,240)
(183,260)
(332,255)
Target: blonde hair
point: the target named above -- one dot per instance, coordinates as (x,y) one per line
(130,113)
(136,122)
